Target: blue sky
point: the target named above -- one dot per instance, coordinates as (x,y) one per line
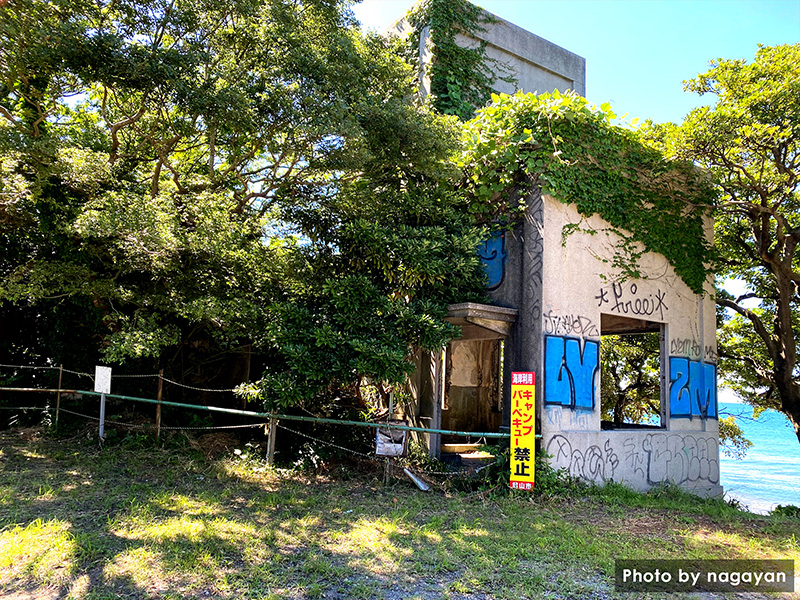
(638,52)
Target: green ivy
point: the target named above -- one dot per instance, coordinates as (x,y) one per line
(573,152)
(461,78)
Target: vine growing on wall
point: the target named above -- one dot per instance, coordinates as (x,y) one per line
(461,76)
(574,153)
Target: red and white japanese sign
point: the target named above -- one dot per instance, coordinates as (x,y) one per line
(523,430)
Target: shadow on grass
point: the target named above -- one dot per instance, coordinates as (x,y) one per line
(153,523)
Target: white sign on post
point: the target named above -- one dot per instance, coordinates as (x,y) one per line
(102,380)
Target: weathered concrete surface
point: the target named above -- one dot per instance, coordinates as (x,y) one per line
(521,288)
(640,459)
(536,64)
(481,321)
(471,386)
(585,297)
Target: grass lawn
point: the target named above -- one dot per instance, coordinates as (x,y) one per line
(137,521)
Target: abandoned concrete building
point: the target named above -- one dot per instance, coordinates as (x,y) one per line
(553,300)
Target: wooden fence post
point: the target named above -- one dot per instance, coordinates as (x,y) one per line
(273,427)
(158,408)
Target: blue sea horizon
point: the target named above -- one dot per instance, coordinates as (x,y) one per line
(770,472)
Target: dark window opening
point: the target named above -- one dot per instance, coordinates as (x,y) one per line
(631,369)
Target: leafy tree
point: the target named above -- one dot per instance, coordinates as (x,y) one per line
(732,438)
(749,142)
(202,176)
(630,378)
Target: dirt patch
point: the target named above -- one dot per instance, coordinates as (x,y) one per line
(215,445)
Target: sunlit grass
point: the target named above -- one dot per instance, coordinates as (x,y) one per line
(41,552)
(168,524)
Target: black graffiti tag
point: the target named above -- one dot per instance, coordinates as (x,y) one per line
(568,325)
(628,302)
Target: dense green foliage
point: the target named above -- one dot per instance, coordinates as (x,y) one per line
(630,390)
(749,141)
(461,76)
(572,150)
(201,178)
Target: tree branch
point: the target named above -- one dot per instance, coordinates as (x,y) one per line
(758,325)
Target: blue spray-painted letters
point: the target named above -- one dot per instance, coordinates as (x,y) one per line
(692,389)
(493,256)
(569,374)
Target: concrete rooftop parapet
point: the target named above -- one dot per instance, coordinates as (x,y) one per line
(532,57)
(536,64)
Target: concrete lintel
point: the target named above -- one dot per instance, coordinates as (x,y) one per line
(615,324)
(481,321)
(474,310)
(502,328)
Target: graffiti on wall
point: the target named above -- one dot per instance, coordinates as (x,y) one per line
(569,372)
(555,324)
(560,419)
(676,458)
(685,347)
(692,348)
(592,463)
(493,255)
(654,458)
(533,266)
(692,389)
(626,299)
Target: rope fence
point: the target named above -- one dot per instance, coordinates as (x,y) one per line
(113,376)
(269,420)
(371,457)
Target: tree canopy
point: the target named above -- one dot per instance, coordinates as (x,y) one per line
(214,175)
(749,141)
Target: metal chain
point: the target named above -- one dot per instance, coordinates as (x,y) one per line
(77,373)
(248,426)
(196,389)
(375,457)
(36,367)
(26,367)
(142,376)
(370,456)
(42,408)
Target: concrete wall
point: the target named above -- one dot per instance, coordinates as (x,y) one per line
(521,288)
(640,458)
(538,65)
(567,295)
(580,292)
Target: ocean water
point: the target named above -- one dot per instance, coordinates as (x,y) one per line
(770,472)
